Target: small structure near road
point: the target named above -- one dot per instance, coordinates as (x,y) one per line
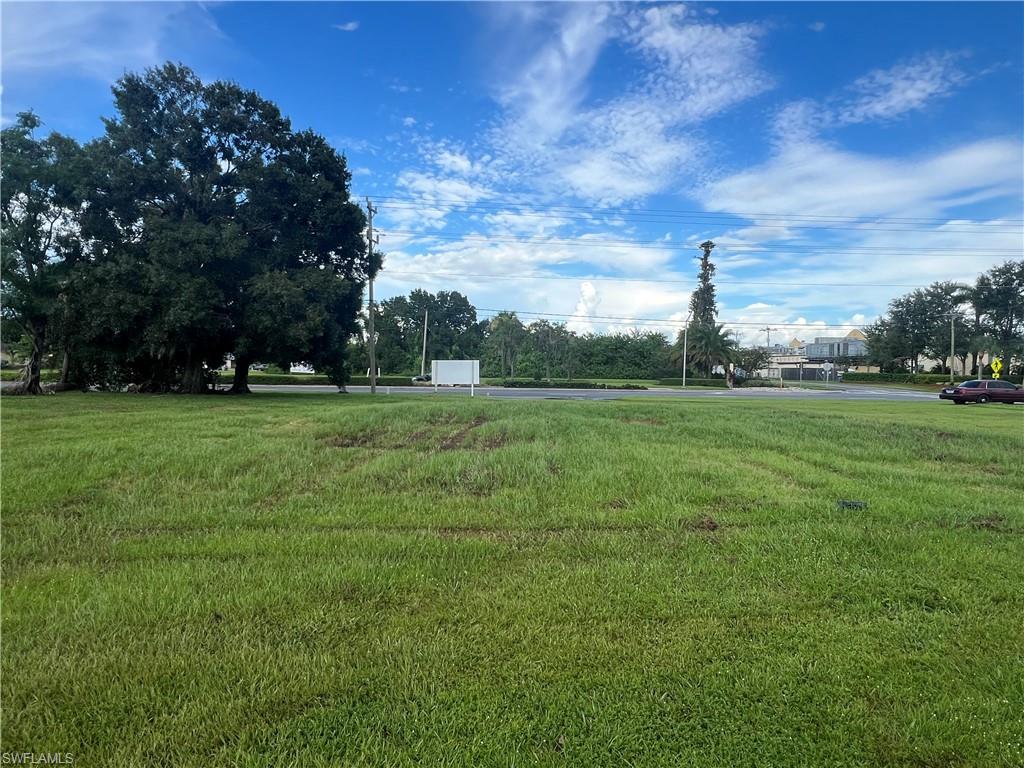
(455,373)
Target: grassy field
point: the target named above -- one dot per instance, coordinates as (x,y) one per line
(331,580)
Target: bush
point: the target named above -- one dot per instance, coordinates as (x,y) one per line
(290,379)
(382,381)
(758,383)
(257,377)
(912,378)
(560,384)
(897,378)
(718,381)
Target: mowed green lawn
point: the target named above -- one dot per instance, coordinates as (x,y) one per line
(337,580)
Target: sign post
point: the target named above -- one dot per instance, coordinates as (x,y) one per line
(997,366)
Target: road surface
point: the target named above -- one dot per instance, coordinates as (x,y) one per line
(836,392)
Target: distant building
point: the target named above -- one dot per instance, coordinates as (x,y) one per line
(853,345)
(806,361)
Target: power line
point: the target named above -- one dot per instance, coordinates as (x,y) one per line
(661,321)
(674,211)
(715,223)
(668,246)
(655,321)
(647,280)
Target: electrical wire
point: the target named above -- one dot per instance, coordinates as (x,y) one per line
(863,223)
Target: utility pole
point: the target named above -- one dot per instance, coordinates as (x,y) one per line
(768,346)
(423,356)
(686,330)
(952,345)
(371,340)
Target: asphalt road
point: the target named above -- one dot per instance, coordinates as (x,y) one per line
(836,392)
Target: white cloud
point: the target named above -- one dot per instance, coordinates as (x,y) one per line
(885,94)
(882,95)
(586,307)
(637,143)
(101,40)
(348,26)
(817,26)
(408,122)
(455,162)
(817,178)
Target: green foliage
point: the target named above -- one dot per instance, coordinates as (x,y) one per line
(752,359)
(919,323)
(453,332)
(702,303)
(200,224)
(506,340)
(907,378)
(709,345)
(563,384)
(255,377)
(714,381)
(40,238)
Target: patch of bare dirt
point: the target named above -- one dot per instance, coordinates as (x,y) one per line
(442,419)
(492,442)
(618,504)
(992,522)
(362,440)
(457,439)
(704,523)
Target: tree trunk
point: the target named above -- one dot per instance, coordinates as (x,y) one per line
(193,381)
(240,383)
(30,384)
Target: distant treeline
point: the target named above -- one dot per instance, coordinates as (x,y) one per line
(506,346)
(984,318)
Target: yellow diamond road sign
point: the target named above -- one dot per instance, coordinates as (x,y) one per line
(997,365)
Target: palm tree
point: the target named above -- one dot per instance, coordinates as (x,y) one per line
(709,344)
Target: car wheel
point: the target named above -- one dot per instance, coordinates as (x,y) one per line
(982,399)
(958,402)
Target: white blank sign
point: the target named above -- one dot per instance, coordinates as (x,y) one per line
(455,372)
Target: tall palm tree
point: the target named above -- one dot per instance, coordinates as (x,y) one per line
(709,344)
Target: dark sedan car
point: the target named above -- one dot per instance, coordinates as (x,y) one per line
(989,390)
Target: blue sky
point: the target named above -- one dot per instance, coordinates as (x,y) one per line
(567,158)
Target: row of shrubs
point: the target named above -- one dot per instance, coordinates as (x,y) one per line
(909,378)
(717,381)
(561,384)
(256,377)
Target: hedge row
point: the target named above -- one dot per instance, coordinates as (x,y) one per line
(559,384)
(910,378)
(690,382)
(382,381)
(225,377)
